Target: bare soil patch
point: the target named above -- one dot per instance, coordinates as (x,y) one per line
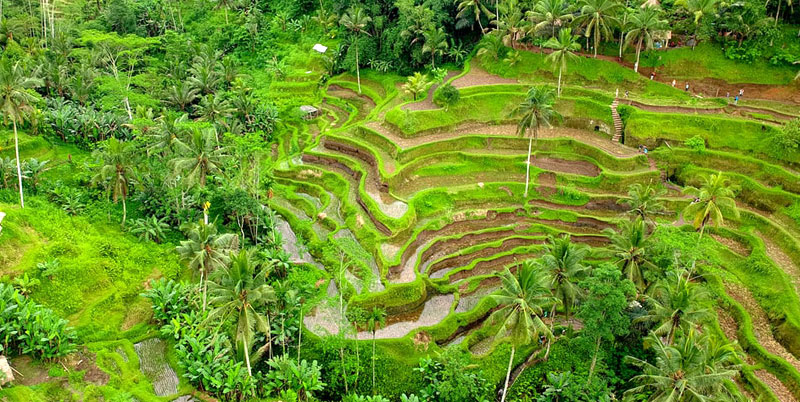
(478,76)
(780,390)
(735,246)
(776,254)
(761,326)
(583,168)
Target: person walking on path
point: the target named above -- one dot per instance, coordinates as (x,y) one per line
(741,92)
(673,83)
(727,95)
(736,100)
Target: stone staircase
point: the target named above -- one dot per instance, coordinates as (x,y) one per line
(617,122)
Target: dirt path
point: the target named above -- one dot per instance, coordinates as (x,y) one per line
(567,166)
(761,326)
(504,130)
(708,87)
(730,110)
(478,76)
(730,327)
(776,254)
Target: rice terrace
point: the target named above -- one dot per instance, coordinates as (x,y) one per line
(399,200)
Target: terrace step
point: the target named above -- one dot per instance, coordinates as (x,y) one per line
(617,122)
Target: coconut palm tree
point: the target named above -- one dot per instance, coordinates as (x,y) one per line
(168,131)
(549,13)
(644,23)
(181,95)
(376,319)
(522,298)
(205,250)
(597,16)
(563,51)
(629,246)
(356,21)
(116,169)
(239,291)
(514,27)
(492,45)
(16,101)
(688,371)
(699,9)
(676,303)
(435,43)
(715,196)
(563,263)
(533,113)
(200,156)
(215,109)
(476,8)
(643,201)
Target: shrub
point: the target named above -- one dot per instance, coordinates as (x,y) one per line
(446,96)
(28,328)
(452,378)
(788,136)
(169,299)
(696,143)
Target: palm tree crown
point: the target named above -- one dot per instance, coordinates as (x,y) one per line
(356,21)
(563,262)
(698,368)
(200,157)
(523,298)
(536,110)
(597,17)
(715,196)
(629,246)
(644,23)
(240,291)
(552,13)
(676,303)
(116,169)
(563,51)
(16,101)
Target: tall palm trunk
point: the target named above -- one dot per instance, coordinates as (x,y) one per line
(596,40)
(508,373)
(638,52)
(594,360)
(203,282)
(552,325)
(19,166)
(358,69)
(559,80)
(247,358)
(124,211)
(528,166)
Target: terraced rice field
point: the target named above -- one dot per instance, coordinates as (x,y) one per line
(436,212)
